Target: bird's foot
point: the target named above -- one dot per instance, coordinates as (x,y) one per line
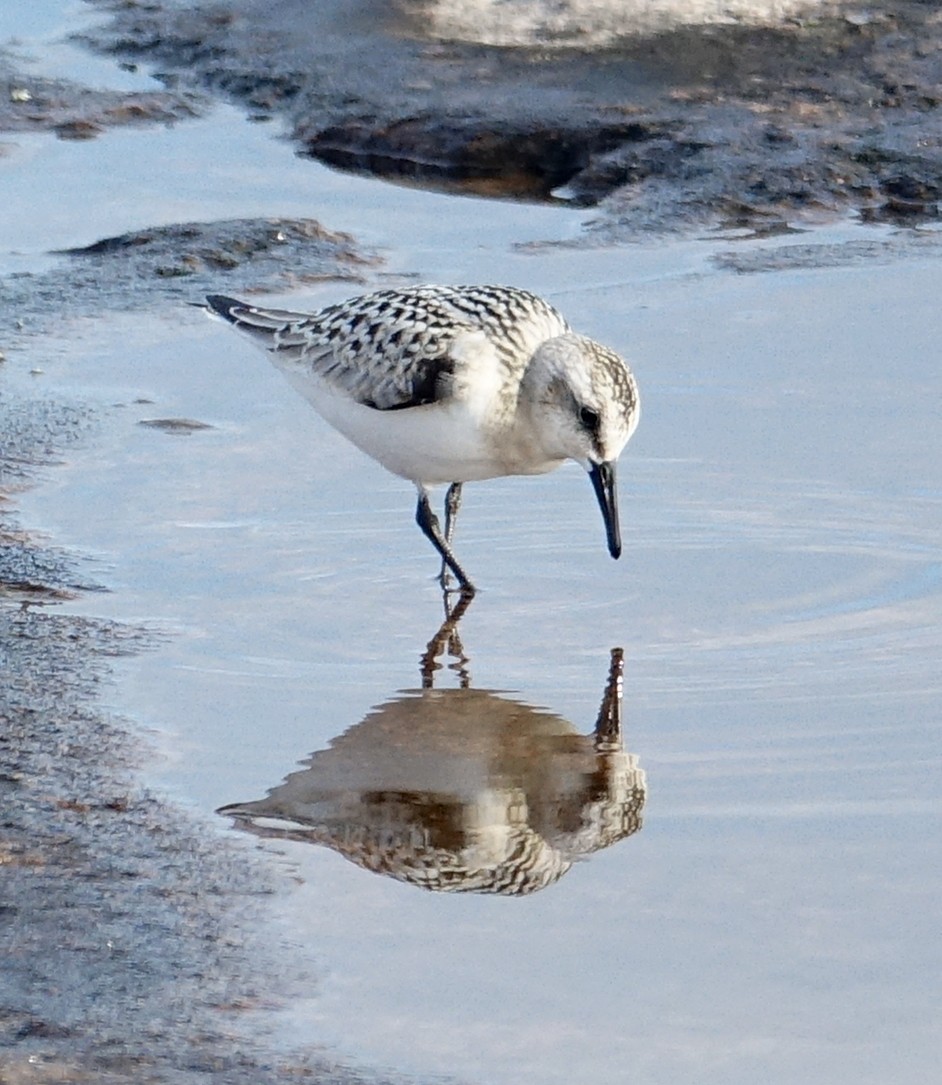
(450,587)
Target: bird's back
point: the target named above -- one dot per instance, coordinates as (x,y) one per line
(395,349)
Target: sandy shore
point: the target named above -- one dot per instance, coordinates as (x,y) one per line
(132,933)
(126,924)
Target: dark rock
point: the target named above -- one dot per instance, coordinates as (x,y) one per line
(803,119)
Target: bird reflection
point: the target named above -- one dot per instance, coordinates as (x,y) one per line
(462,790)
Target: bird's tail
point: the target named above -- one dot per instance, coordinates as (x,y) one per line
(272,329)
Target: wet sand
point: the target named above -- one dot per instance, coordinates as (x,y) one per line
(833,109)
(129,930)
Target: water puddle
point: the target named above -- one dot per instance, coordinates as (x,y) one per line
(778,606)
(777,610)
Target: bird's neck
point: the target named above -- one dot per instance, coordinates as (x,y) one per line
(524,448)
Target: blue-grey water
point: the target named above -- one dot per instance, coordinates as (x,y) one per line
(779,603)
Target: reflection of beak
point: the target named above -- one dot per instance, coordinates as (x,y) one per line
(603,482)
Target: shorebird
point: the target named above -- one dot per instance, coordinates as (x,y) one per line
(453,384)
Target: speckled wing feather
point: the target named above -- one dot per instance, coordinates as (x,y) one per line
(394,349)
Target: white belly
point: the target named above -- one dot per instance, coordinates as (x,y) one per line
(437,443)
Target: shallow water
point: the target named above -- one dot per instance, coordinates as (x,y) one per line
(778,602)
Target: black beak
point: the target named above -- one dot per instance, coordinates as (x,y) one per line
(603,482)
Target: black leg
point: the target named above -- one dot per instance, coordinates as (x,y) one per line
(452,504)
(428,522)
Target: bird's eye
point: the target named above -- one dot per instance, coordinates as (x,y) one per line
(589,418)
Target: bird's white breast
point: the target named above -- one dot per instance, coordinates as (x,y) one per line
(436,443)
(465,438)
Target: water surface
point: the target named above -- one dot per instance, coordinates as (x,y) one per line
(778,604)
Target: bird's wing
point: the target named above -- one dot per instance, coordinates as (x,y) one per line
(382,354)
(398,348)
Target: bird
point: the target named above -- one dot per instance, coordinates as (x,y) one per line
(444,385)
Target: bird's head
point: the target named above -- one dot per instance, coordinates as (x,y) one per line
(583,404)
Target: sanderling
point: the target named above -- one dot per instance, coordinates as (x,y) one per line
(452,384)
